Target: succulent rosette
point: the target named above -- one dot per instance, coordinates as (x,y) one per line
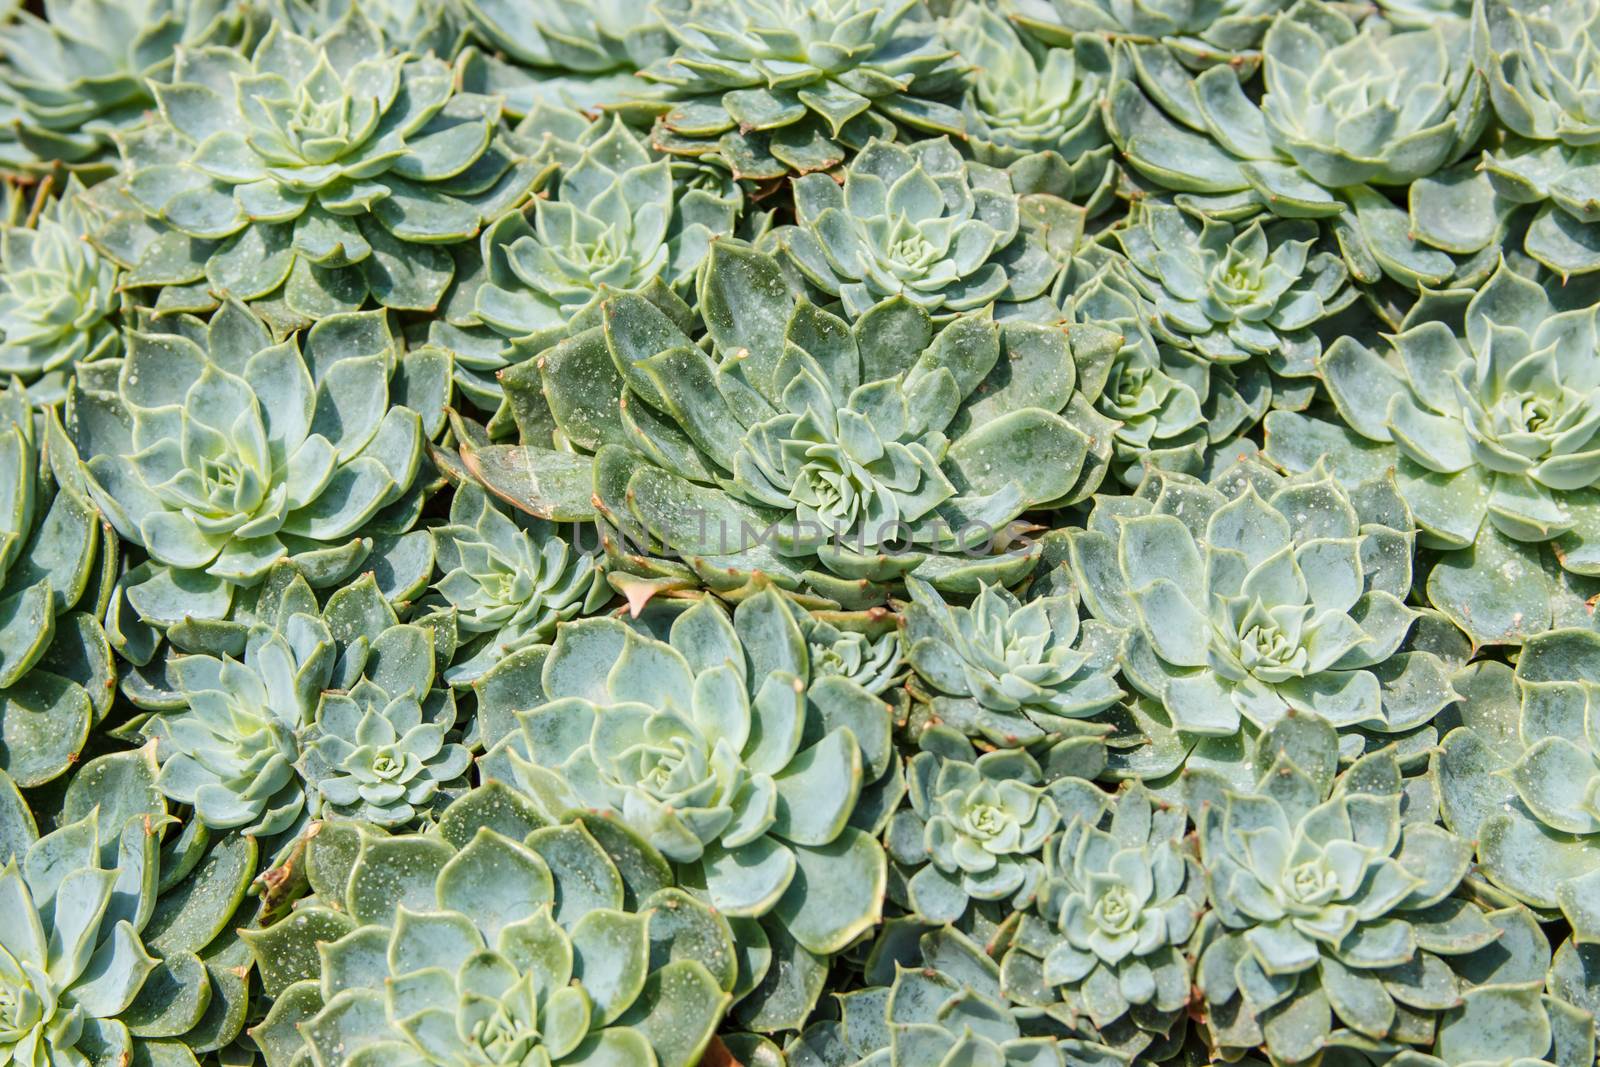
(1536,60)
(58,295)
(974,829)
(332,169)
(1152,397)
(1484,406)
(507,580)
(771,88)
(1326,906)
(529,949)
(1234,291)
(1025,99)
(862,647)
(71,79)
(306,723)
(1343,110)
(708,738)
(615,218)
(949,1008)
(1258,596)
(1521,774)
(381,749)
(553,53)
(797,447)
(917,222)
(219,451)
(118,939)
(426,26)
(1119,898)
(1008,672)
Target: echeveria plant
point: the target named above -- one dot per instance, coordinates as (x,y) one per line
(1008,672)
(1121,894)
(1521,774)
(915,222)
(331,169)
(1483,405)
(58,295)
(70,80)
(1344,108)
(507,580)
(1233,292)
(613,220)
(220,450)
(1327,906)
(823,454)
(975,826)
(769,88)
(527,949)
(1259,596)
(708,738)
(1025,98)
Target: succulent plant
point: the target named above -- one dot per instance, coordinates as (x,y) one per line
(58,295)
(1153,399)
(615,221)
(1326,905)
(949,1009)
(974,829)
(838,457)
(1199,34)
(1233,292)
(557,54)
(231,750)
(1521,774)
(426,26)
(1537,60)
(219,452)
(768,88)
(379,749)
(495,951)
(305,721)
(1025,98)
(1120,895)
(1258,596)
(337,178)
(709,739)
(1007,672)
(1484,407)
(73,78)
(508,580)
(76,902)
(56,565)
(861,647)
(918,222)
(1343,108)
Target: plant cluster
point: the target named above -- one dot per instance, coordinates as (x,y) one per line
(799,533)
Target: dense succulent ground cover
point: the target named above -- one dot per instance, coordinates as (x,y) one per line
(838,533)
